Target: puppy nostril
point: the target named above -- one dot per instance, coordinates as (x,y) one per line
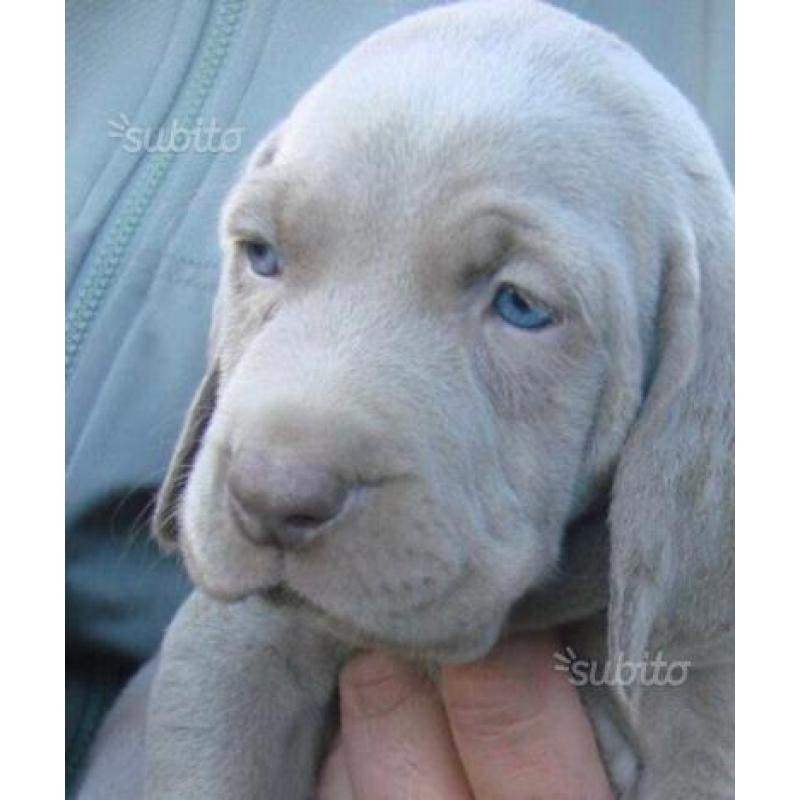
(276,499)
(248,520)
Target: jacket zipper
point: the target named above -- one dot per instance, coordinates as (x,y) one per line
(105,265)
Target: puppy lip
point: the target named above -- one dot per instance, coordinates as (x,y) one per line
(220,590)
(283,595)
(251,568)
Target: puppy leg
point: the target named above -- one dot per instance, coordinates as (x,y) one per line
(239,704)
(116,762)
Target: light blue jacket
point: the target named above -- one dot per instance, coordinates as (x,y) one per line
(164,100)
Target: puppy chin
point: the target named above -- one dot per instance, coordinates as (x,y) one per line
(227,566)
(419,637)
(465,647)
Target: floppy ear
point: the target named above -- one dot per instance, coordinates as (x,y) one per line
(165,517)
(164,525)
(671,515)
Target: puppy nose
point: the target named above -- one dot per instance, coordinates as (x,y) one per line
(281,500)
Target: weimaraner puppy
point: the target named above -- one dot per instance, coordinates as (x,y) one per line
(470,372)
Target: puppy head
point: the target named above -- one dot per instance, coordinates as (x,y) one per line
(461,280)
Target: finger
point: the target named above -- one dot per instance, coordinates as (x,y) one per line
(334,782)
(520,728)
(396,739)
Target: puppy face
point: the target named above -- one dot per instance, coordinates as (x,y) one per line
(431,337)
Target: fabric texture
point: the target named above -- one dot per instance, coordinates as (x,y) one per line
(164,102)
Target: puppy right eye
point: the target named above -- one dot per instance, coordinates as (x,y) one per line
(262,258)
(513,307)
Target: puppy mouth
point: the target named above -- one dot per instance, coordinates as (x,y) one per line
(286,597)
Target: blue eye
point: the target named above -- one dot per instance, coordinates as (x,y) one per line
(512,307)
(263,258)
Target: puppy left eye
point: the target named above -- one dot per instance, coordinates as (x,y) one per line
(262,258)
(517,310)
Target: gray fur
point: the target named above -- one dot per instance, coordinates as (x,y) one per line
(489,443)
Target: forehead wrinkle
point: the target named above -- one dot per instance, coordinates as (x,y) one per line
(547,235)
(518,224)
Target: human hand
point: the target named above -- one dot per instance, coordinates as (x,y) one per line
(504,728)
